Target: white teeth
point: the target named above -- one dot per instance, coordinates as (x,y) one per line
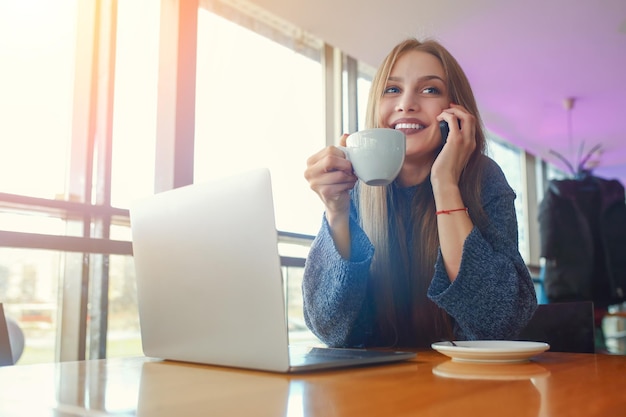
(408,126)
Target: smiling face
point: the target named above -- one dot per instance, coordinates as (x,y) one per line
(414,95)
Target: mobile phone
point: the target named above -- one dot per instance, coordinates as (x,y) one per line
(445,130)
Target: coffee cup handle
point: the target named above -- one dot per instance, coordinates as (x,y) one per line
(345,151)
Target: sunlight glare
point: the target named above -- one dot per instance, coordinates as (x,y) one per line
(37,40)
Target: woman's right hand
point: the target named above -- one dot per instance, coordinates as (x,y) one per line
(330,175)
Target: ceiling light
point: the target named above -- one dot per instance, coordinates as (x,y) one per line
(584,166)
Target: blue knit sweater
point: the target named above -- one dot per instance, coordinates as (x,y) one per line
(493,296)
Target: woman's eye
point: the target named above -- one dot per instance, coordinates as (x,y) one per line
(431,90)
(391,90)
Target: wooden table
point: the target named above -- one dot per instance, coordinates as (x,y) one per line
(551,385)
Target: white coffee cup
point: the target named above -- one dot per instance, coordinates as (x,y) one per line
(376,154)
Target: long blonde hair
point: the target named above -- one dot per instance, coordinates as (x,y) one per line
(400,275)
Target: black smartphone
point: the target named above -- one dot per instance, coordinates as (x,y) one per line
(445,130)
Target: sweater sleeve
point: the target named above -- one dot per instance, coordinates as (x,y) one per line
(493,296)
(334,288)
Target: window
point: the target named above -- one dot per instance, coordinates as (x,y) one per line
(135,101)
(71,248)
(364,75)
(259,104)
(37,51)
(363,85)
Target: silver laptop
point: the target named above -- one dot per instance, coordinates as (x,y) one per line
(209,280)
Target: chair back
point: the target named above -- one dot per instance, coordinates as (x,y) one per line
(566,327)
(6,356)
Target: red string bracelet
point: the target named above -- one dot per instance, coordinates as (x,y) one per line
(465,209)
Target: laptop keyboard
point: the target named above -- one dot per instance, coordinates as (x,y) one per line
(300,354)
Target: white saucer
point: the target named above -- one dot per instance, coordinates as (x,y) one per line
(491,351)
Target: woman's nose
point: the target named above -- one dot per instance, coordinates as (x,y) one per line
(407,103)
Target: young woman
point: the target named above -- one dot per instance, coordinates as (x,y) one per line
(433,255)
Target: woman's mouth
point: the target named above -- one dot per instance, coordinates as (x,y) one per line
(409,126)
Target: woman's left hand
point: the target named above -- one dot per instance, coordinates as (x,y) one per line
(445,175)
(461,142)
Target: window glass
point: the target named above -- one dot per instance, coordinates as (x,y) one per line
(37,49)
(29,291)
(37,56)
(123,335)
(135,103)
(345,113)
(363,85)
(258,104)
(363,89)
(29,223)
